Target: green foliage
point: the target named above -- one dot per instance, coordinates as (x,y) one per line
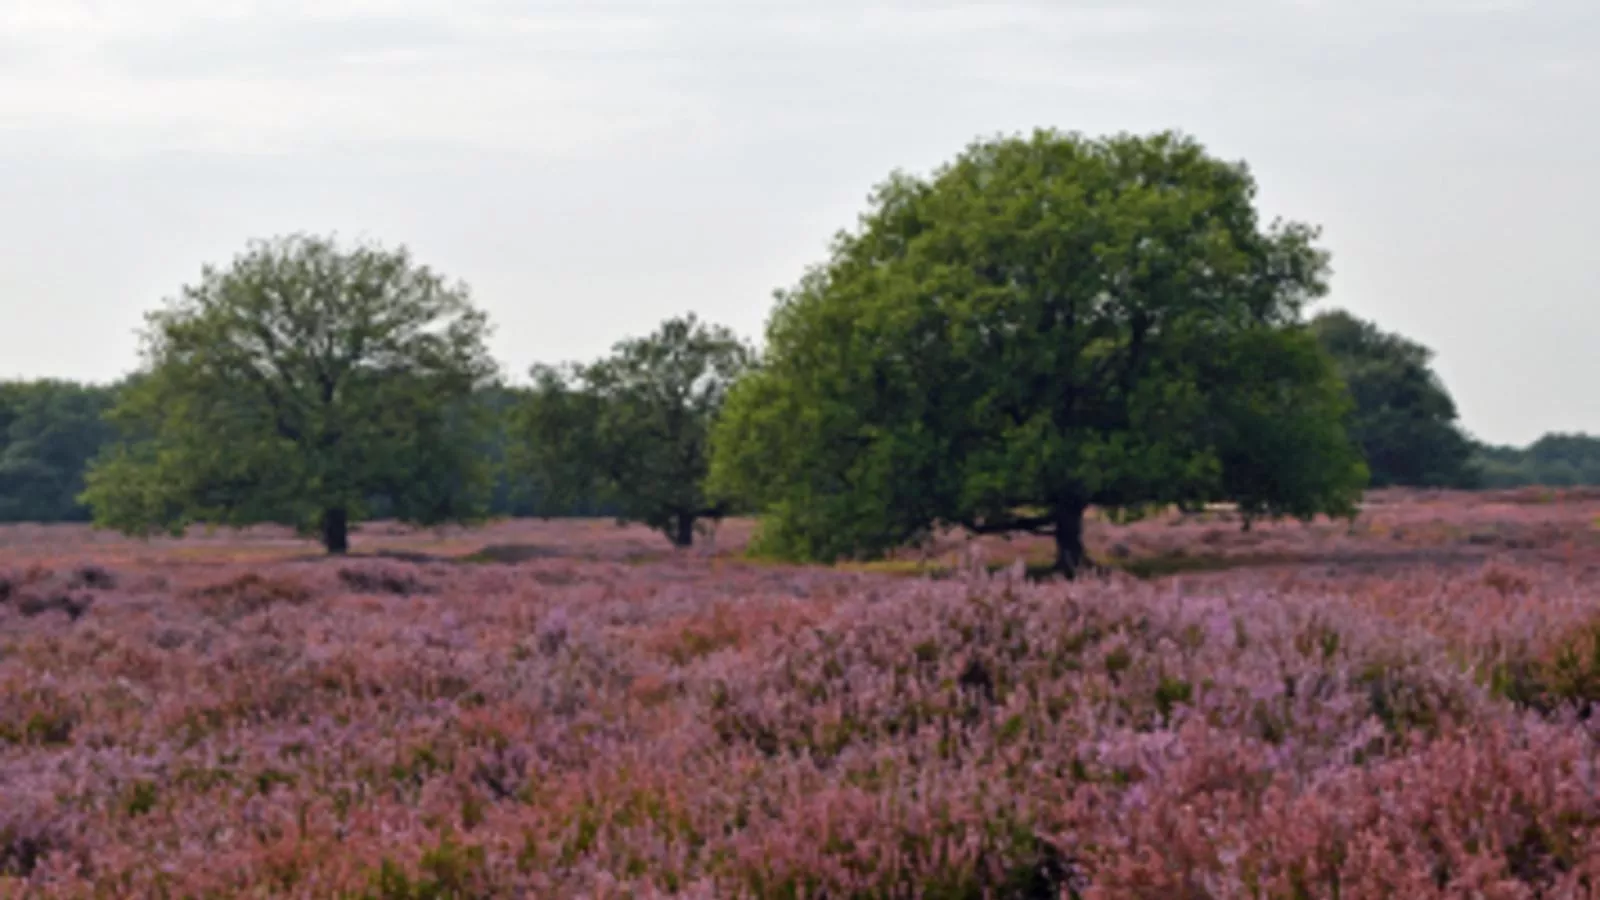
(140,799)
(1405,419)
(1566,675)
(295,387)
(450,871)
(1280,427)
(49,430)
(41,729)
(1047,323)
(515,494)
(631,430)
(1555,460)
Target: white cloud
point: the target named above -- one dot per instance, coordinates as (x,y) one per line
(251,77)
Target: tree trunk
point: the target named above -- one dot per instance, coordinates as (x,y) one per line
(1069,539)
(336,530)
(683,531)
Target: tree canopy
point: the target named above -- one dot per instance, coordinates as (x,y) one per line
(1405,419)
(49,430)
(298,386)
(631,430)
(1048,322)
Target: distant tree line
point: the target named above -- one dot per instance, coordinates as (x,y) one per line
(49,431)
(1406,421)
(52,430)
(1555,460)
(1045,324)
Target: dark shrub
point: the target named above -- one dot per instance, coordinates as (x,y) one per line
(92,577)
(382,581)
(24,842)
(250,593)
(74,606)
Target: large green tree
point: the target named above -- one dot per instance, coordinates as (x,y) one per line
(1405,420)
(301,385)
(49,431)
(631,431)
(1045,324)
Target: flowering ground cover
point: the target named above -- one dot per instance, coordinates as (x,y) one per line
(1397,707)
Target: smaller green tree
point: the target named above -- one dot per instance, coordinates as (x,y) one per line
(631,430)
(1279,427)
(303,385)
(1405,421)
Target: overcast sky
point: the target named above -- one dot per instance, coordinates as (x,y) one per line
(591,167)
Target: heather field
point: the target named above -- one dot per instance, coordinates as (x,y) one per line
(1393,708)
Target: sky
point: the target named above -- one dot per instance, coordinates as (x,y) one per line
(593,167)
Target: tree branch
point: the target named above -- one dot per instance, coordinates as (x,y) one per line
(280,415)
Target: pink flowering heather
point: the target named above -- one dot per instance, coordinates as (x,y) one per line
(1394,708)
